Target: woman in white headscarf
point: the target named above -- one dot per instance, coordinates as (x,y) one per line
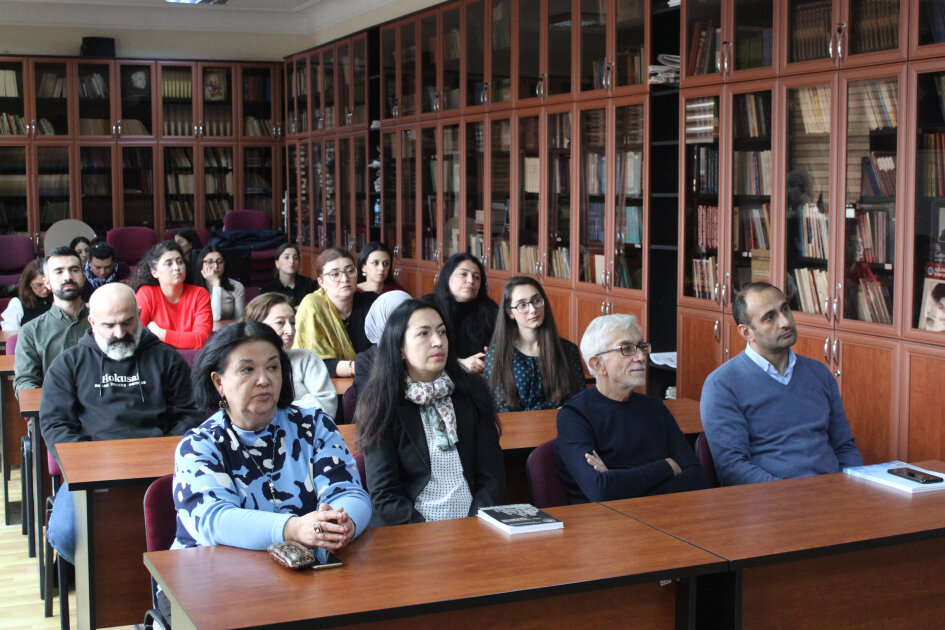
(374,324)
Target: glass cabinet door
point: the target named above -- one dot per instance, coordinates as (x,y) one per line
(366,223)
(389,165)
(329,212)
(475,53)
(408,69)
(475,189)
(53,185)
(701,198)
(452,208)
(137,185)
(429,184)
(500,170)
(257,179)
(594,65)
(95,191)
(178,186)
(592,191)
(51,98)
(807,198)
(359,82)
(136,115)
(628,197)
(13,190)
(408,192)
(95,105)
(754,22)
(301,95)
(451,66)
(317,97)
(500,86)
(931,22)
(874,25)
(870,199)
(558,48)
(529,49)
(217,97)
(177,107)
(296,234)
(810,30)
(703,38)
(559,195)
(630,66)
(217,185)
(311,177)
(429,64)
(343,81)
(329,103)
(13,102)
(344,196)
(257,102)
(529,169)
(389,63)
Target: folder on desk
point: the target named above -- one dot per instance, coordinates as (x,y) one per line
(879,473)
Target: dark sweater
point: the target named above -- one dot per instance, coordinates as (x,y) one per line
(303,286)
(633,439)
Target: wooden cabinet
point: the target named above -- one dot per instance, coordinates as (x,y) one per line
(922,402)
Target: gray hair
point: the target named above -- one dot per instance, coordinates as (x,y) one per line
(600,331)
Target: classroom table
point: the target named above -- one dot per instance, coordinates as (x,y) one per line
(4,336)
(38,481)
(461,573)
(342,384)
(12,429)
(817,552)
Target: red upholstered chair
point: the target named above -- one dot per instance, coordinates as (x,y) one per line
(359,459)
(543,479)
(706,461)
(17,251)
(160,529)
(252,293)
(348,406)
(260,261)
(48,563)
(203,233)
(131,242)
(26,472)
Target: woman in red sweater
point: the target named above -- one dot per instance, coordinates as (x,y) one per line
(178,313)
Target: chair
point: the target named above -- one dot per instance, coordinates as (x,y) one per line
(17,252)
(252,293)
(203,233)
(705,460)
(543,478)
(348,406)
(189,355)
(260,261)
(160,528)
(359,459)
(131,242)
(26,472)
(62,567)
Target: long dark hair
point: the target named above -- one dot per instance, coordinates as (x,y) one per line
(149,261)
(557,382)
(366,251)
(479,314)
(225,283)
(386,384)
(24,291)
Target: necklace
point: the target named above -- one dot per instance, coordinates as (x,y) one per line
(276,503)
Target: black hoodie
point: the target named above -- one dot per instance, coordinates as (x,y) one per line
(88,396)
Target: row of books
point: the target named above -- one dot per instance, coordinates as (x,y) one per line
(702,120)
(560,262)
(881,103)
(218,183)
(753,227)
(95,127)
(753,47)
(177,83)
(870,300)
(133,127)
(707,227)
(878,175)
(53,184)
(256,184)
(95,157)
(218,157)
(813,231)
(51,85)
(704,169)
(178,157)
(704,277)
(180,183)
(752,115)
(931,165)
(9,85)
(814,102)
(96,185)
(12,125)
(872,234)
(451,175)
(528,258)
(632,232)
(623,277)
(501,255)
(813,289)
(595,222)
(704,49)
(629,66)
(178,120)
(559,130)
(811,29)
(257,158)
(216,208)
(593,267)
(12,185)
(180,211)
(876,25)
(257,87)
(218,120)
(93,86)
(751,172)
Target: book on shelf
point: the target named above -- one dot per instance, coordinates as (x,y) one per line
(881,104)
(519,518)
(707,227)
(9,88)
(600,269)
(51,85)
(561,263)
(814,231)
(932,311)
(814,103)
(751,172)
(531,167)
(867,297)
(12,125)
(704,49)
(633,173)
(501,254)
(761,265)
(935,15)
(633,225)
(704,169)
(528,258)
(752,227)
(812,289)
(876,24)
(879,473)
(811,29)
(753,115)
(703,277)
(702,120)
(878,174)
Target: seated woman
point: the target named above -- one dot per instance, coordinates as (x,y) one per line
(374,324)
(427,428)
(177,312)
(614,443)
(467,309)
(227,296)
(310,378)
(81,246)
(260,471)
(33,298)
(331,320)
(527,365)
(288,280)
(190,247)
(376,269)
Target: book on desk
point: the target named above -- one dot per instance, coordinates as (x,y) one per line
(879,473)
(519,518)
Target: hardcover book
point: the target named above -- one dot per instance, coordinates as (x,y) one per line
(519,518)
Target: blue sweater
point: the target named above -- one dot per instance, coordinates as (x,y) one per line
(633,439)
(761,430)
(223,499)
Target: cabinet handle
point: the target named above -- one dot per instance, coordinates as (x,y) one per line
(841,35)
(715,293)
(827,308)
(725,54)
(195,130)
(119,128)
(395,110)
(201,129)
(484,96)
(114,129)
(397,251)
(397,272)
(485,260)
(837,373)
(826,350)
(836,358)
(830,47)
(715,331)
(724,288)
(436,278)
(31,129)
(836,300)
(602,308)
(540,88)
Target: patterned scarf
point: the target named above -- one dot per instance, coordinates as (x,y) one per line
(436,408)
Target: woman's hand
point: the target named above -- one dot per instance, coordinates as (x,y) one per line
(159,332)
(337,529)
(594,460)
(210,274)
(475,363)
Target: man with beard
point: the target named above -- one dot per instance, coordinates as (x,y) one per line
(118,382)
(44,338)
(768,413)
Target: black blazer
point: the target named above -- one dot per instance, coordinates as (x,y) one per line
(398,467)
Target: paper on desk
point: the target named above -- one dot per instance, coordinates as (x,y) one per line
(877,473)
(664,358)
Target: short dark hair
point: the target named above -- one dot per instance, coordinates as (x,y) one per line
(740,305)
(214,355)
(190,234)
(102,251)
(286,246)
(63,250)
(77,240)
(225,283)
(366,251)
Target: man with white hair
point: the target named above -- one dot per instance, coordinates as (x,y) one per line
(614,443)
(118,382)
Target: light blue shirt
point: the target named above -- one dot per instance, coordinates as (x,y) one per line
(769,368)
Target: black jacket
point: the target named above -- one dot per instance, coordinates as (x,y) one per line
(87,396)
(398,467)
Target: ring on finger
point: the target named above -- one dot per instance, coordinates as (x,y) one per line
(318,528)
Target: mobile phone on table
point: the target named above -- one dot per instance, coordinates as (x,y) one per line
(330,562)
(914,475)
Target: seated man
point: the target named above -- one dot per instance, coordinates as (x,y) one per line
(102,268)
(41,340)
(770,414)
(118,382)
(613,443)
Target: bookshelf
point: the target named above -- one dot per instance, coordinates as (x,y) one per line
(96,190)
(137,185)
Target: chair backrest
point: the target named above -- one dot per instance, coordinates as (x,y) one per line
(17,252)
(203,233)
(246,220)
(160,516)
(349,403)
(252,293)
(359,459)
(543,479)
(52,465)
(705,460)
(189,354)
(131,242)
(11,344)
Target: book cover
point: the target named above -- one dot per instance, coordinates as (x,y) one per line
(519,518)
(932,312)
(878,473)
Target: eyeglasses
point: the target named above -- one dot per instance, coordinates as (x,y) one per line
(628,349)
(336,274)
(537,301)
(214,262)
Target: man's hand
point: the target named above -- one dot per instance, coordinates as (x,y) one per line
(594,460)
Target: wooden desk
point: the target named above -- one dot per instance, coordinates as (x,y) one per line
(4,336)
(108,480)
(12,429)
(826,552)
(453,574)
(342,384)
(41,486)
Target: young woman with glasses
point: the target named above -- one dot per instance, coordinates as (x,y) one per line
(528,366)
(227,296)
(331,320)
(33,298)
